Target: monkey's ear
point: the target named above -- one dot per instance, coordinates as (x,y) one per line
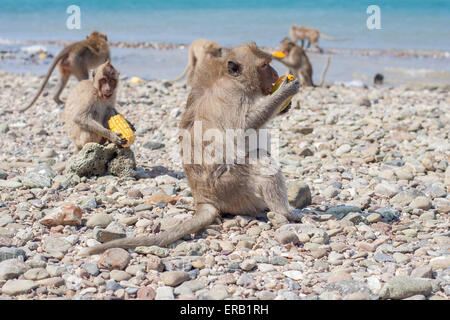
(234,68)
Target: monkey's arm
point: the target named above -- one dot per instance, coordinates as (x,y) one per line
(95,51)
(259,114)
(87,123)
(288,63)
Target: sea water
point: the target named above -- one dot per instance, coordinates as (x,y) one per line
(405,24)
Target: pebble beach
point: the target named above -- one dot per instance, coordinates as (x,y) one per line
(371,165)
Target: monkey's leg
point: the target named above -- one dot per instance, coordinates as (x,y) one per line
(86,137)
(64,77)
(272,185)
(317,47)
(306,79)
(205,215)
(301,78)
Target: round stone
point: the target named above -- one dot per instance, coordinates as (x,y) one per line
(115,258)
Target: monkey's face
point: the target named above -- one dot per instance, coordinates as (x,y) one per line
(106,87)
(286,46)
(267,76)
(251,66)
(105,80)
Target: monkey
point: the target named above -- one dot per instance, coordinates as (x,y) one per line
(76,59)
(232,92)
(89,106)
(310,35)
(199,50)
(298,63)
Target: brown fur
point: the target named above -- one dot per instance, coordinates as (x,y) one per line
(228,93)
(90,105)
(199,50)
(76,59)
(297,61)
(311,35)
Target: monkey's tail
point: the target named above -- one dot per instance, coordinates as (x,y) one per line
(325,69)
(55,61)
(204,216)
(181,76)
(324,36)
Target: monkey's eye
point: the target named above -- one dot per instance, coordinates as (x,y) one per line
(234,68)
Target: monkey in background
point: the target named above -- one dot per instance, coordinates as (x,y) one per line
(76,59)
(233,92)
(311,35)
(199,50)
(89,106)
(298,63)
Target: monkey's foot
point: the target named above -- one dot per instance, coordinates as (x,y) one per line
(295,215)
(58,101)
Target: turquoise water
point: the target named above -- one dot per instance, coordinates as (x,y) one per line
(414,24)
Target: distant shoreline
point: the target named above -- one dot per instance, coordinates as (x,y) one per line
(401,53)
(164,60)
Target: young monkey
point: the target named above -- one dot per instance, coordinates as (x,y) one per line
(90,105)
(230,93)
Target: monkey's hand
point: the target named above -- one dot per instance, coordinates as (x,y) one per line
(288,89)
(266,108)
(117,139)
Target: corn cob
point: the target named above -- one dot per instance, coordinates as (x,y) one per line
(118,124)
(277,85)
(279,54)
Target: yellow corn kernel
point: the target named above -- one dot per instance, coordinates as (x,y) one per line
(135,80)
(118,124)
(279,54)
(277,85)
